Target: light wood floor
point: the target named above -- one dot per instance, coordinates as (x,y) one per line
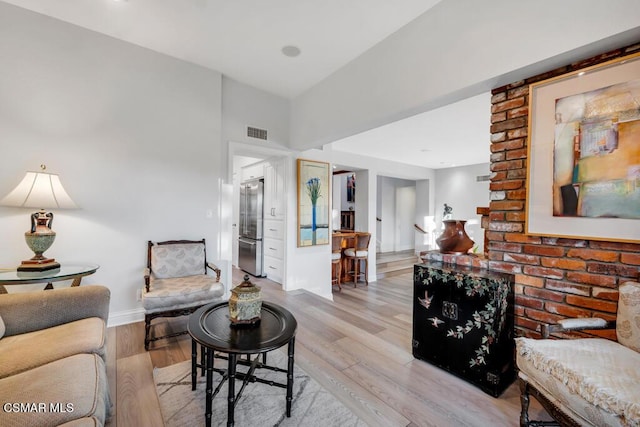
(358,347)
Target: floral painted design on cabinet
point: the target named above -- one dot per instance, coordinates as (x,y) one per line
(463,322)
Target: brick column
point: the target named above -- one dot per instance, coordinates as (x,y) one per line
(555,277)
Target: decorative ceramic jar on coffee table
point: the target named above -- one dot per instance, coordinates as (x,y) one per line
(245,304)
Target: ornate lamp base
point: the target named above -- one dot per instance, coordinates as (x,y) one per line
(38,265)
(39,239)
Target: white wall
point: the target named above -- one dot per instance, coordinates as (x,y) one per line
(454,51)
(244,106)
(458,188)
(425,214)
(309,268)
(405,214)
(134,135)
(306,267)
(387,214)
(336,197)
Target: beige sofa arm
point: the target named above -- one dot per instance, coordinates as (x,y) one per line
(32,311)
(577,324)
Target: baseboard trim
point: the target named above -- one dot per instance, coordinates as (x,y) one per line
(125,317)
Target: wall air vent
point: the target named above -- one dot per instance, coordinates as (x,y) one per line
(481,178)
(256,133)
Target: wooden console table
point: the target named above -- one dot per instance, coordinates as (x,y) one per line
(463,322)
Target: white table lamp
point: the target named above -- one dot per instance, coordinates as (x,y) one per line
(44,191)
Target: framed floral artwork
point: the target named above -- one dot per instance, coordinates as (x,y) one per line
(314,195)
(583,171)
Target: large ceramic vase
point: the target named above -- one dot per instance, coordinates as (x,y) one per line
(454,239)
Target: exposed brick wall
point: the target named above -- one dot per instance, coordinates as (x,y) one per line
(555,277)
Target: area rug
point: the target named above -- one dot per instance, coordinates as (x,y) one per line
(260,404)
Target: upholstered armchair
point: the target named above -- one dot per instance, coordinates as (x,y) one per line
(176,282)
(585,381)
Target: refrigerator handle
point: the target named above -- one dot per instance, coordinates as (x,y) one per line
(243,220)
(248,242)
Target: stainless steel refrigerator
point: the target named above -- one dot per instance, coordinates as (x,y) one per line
(251,218)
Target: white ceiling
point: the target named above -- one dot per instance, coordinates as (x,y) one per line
(243,40)
(454,135)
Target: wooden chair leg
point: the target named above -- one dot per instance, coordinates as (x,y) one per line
(338,273)
(524,403)
(335,274)
(366,271)
(147,331)
(356,264)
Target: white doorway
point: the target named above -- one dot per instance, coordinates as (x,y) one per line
(240,156)
(404,218)
(396,212)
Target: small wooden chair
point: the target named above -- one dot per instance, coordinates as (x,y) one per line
(357,254)
(176,282)
(336,261)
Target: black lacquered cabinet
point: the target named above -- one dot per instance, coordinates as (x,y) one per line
(463,323)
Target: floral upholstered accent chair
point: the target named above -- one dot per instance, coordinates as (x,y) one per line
(586,381)
(177,283)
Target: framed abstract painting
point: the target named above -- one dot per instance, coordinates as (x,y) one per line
(583,170)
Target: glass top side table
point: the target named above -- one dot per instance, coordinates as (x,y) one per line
(73,272)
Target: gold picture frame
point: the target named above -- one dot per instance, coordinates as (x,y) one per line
(583,163)
(314,195)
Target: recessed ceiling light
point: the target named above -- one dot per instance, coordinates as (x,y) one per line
(291,51)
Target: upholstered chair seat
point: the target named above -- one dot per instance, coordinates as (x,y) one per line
(180,292)
(353,253)
(579,377)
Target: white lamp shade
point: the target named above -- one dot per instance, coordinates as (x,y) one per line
(39,190)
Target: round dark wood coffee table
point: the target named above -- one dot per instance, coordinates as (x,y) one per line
(210,327)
